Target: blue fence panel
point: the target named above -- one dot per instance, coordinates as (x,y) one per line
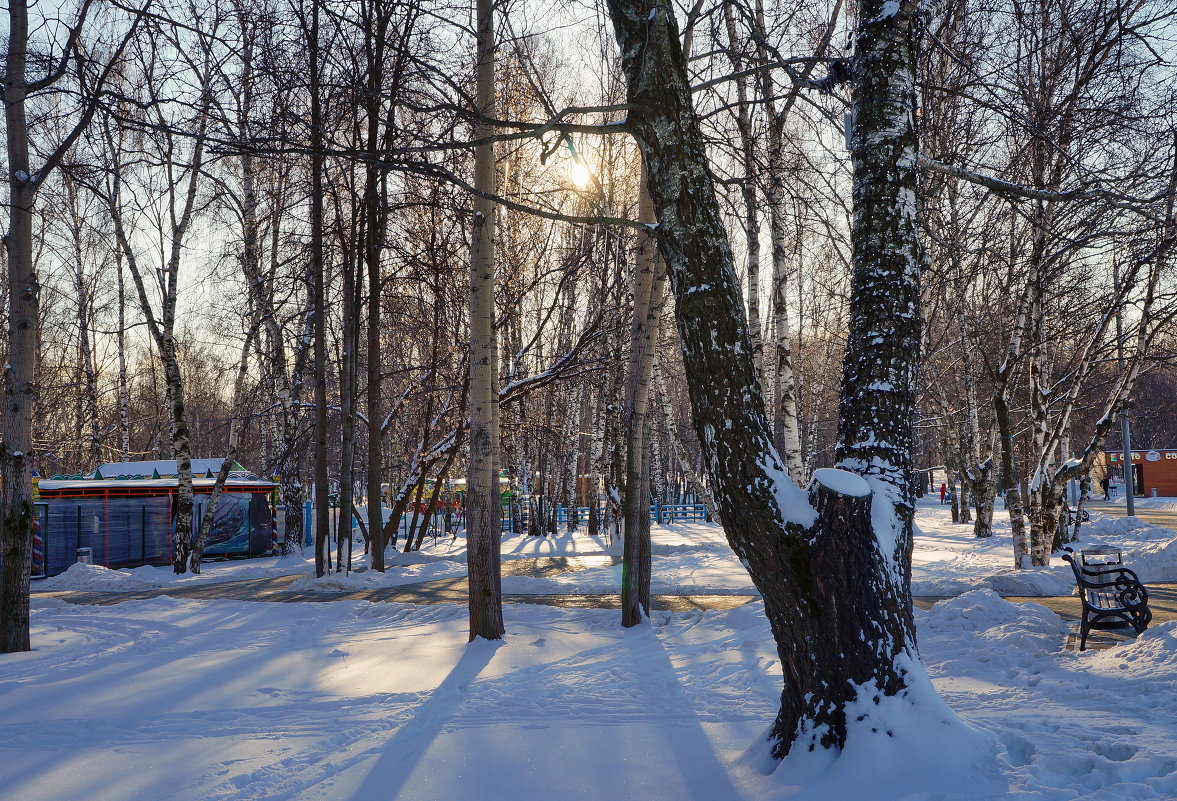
(120,532)
(659,513)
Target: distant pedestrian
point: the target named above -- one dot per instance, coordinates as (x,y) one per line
(1104,483)
(943,494)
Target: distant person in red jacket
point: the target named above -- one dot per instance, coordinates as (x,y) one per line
(943,494)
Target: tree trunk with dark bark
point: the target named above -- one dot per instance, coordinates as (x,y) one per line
(20,389)
(837,601)
(317,269)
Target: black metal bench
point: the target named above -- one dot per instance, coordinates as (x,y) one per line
(1109,592)
(1069,521)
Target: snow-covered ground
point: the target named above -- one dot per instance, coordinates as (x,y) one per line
(691,558)
(358,701)
(94,578)
(948,560)
(1168,504)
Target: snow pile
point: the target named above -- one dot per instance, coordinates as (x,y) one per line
(995,628)
(1168,504)
(1152,656)
(899,748)
(81,577)
(95,578)
(1149,550)
(1034,581)
(1069,725)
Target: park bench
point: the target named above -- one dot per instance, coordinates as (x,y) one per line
(1069,521)
(1108,592)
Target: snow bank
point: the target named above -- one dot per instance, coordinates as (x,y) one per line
(95,578)
(1069,725)
(1146,503)
(1152,656)
(991,626)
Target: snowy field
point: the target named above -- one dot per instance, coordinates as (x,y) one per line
(359,701)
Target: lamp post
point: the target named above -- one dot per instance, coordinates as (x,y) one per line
(1125,435)
(1129,489)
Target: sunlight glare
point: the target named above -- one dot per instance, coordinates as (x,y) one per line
(579,174)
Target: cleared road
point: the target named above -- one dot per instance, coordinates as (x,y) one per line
(1157,517)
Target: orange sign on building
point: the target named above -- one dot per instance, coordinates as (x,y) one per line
(1153,471)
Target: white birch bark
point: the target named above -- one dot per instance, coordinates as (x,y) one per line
(649,276)
(236,415)
(676,444)
(750,168)
(482,499)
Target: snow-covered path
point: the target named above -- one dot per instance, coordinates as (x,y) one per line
(229,700)
(238,701)
(222,700)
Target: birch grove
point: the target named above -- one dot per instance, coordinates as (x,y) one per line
(438,275)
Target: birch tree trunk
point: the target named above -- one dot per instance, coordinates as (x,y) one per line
(1011,480)
(318,270)
(483,526)
(20,388)
(751,220)
(649,275)
(1010,475)
(235,420)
